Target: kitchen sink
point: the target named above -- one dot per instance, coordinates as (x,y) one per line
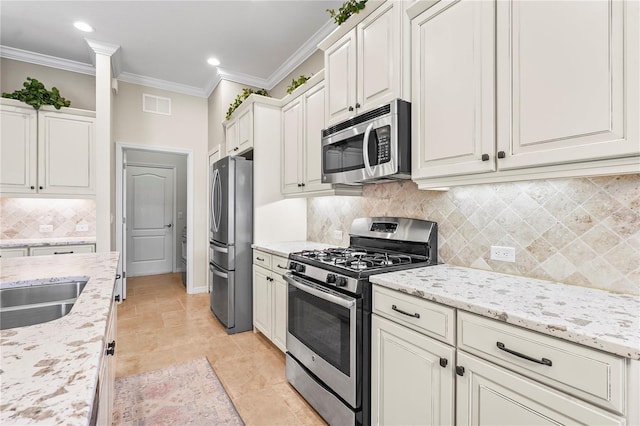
(31,305)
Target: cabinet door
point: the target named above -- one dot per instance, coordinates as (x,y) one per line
(231,138)
(107,375)
(314,122)
(409,385)
(279,334)
(18,148)
(489,395)
(292,134)
(340,77)
(569,93)
(245,131)
(379,56)
(66,153)
(453,89)
(262,300)
(6,253)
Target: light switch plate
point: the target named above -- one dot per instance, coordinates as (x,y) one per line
(337,234)
(46,228)
(82,227)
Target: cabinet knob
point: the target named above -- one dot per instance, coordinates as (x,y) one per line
(443,362)
(501,154)
(485,157)
(33,187)
(236,148)
(302,184)
(460,370)
(357,105)
(350,108)
(111,348)
(41,187)
(299,185)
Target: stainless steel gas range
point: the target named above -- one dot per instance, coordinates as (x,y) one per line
(329,311)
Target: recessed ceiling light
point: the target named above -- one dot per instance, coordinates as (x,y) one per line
(82,26)
(213,61)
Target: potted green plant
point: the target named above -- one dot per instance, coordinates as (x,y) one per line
(246,92)
(297,82)
(347,9)
(36,95)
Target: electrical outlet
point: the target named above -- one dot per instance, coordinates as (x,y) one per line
(337,234)
(46,228)
(504,254)
(82,227)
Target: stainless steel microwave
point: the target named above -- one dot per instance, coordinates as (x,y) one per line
(372,146)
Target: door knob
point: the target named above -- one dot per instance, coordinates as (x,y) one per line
(169,225)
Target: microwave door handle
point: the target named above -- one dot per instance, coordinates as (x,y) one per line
(365,150)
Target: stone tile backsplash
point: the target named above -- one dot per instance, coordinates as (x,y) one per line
(20,218)
(583,231)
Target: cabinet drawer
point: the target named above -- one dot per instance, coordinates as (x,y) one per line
(587,373)
(279,264)
(14,252)
(429,318)
(68,249)
(261,258)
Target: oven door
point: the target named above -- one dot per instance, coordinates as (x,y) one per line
(323,331)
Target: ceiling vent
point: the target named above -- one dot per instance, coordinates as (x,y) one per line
(156,104)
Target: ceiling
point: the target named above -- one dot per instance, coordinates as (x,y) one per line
(165,44)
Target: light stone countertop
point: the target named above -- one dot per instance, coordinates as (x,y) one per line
(40,242)
(49,371)
(595,318)
(284,248)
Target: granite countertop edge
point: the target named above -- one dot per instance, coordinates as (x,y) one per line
(594,318)
(49,376)
(43,242)
(283,248)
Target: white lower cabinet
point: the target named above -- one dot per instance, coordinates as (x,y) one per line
(412,377)
(107,374)
(491,395)
(6,253)
(496,374)
(270,297)
(66,249)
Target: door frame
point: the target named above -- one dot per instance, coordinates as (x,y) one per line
(121,147)
(174,208)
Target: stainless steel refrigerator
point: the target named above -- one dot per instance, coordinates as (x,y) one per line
(231,233)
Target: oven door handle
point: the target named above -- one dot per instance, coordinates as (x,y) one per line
(344,302)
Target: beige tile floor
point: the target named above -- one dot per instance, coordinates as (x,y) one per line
(159,325)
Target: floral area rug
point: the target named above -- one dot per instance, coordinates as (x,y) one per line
(183,394)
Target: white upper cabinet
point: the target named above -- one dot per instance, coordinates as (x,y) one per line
(453,89)
(496,99)
(303,118)
(561,92)
(364,68)
(239,131)
(48,151)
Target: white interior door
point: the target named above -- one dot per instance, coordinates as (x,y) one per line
(149,220)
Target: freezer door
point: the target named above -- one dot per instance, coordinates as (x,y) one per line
(222,295)
(222,255)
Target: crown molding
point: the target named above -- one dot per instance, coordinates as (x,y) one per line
(46,60)
(102,48)
(301,55)
(213,84)
(162,84)
(241,78)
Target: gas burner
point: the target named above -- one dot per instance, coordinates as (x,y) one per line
(359,265)
(358,253)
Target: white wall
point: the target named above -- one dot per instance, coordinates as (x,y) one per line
(78,88)
(311,66)
(186,128)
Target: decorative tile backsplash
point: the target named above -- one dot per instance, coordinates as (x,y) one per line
(583,231)
(20,218)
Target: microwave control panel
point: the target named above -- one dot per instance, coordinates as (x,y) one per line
(384,145)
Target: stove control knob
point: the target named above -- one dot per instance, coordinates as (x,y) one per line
(300,268)
(331,278)
(341,281)
(292,265)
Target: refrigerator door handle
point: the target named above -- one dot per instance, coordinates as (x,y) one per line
(217,200)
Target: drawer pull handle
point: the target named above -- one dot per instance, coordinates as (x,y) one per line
(281,267)
(395,308)
(543,361)
(260,259)
(63,252)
